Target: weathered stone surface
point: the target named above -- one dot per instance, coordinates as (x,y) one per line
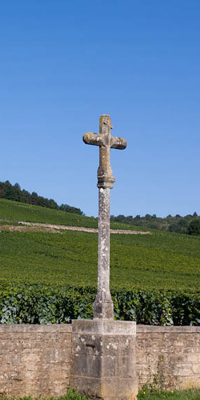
(104,358)
(105,141)
(104,326)
(103,305)
(171,352)
(35,360)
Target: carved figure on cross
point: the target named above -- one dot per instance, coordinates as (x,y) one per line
(105,141)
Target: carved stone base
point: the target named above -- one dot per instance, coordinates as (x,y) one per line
(104,359)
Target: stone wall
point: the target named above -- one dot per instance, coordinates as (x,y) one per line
(169,353)
(36,359)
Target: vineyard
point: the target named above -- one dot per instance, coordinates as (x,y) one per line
(50,276)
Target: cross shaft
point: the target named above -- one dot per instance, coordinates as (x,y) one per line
(103,305)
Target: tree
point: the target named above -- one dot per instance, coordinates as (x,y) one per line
(52,204)
(33,198)
(17,186)
(70,209)
(194,227)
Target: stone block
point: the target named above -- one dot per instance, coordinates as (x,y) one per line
(196,369)
(104,359)
(87,365)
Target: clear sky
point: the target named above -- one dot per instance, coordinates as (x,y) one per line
(64,63)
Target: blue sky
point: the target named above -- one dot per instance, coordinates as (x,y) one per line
(64,63)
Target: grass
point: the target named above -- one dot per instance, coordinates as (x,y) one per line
(191,394)
(162,260)
(71,395)
(15,211)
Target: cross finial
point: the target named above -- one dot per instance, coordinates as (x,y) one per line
(105,141)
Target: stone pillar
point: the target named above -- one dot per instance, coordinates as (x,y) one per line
(103,305)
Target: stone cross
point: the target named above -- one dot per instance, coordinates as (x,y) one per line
(103,305)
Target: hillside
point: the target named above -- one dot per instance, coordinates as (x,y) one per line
(161,260)
(15,193)
(189,224)
(14,212)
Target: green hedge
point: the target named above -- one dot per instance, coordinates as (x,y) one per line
(39,304)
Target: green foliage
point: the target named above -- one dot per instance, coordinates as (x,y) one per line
(39,304)
(14,192)
(52,277)
(194,227)
(175,224)
(70,209)
(161,260)
(145,394)
(158,307)
(15,211)
(72,394)
(43,304)
(191,394)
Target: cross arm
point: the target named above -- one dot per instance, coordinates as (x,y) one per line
(118,143)
(93,138)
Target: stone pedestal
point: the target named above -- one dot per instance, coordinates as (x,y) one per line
(104,358)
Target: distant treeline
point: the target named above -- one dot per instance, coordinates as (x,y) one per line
(189,224)
(15,193)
